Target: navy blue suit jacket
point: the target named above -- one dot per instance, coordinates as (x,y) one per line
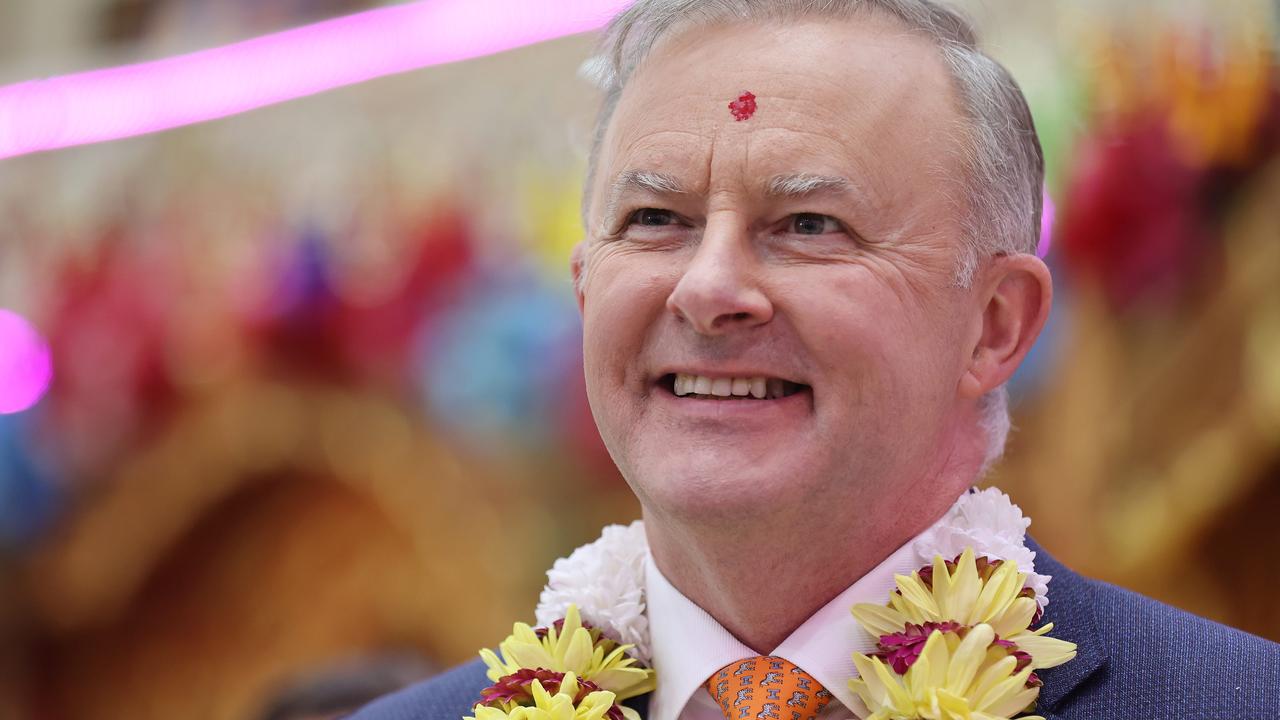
(1138,660)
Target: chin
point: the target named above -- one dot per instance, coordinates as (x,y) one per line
(704,483)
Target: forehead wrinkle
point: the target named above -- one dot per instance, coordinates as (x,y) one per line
(858,166)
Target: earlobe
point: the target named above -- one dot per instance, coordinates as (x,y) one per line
(1019,293)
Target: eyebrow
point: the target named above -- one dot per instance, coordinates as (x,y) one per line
(799,185)
(644,181)
(792,185)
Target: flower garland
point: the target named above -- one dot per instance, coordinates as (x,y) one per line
(955,639)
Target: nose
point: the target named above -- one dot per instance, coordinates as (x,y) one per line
(720,291)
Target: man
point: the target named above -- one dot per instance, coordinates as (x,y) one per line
(809,271)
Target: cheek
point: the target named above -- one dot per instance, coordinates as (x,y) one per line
(877,344)
(624,298)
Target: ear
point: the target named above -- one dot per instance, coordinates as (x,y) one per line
(1016,292)
(577,266)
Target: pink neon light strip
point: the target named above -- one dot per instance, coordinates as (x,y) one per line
(137,99)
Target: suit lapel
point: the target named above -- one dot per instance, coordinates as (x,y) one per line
(1070,610)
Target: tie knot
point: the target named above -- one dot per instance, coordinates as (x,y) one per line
(767,688)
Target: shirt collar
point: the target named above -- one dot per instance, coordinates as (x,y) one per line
(689,645)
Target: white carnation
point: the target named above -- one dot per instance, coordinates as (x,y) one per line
(989,522)
(606,581)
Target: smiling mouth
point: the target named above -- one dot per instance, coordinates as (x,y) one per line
(744,388)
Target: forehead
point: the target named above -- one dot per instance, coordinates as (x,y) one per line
(862,98)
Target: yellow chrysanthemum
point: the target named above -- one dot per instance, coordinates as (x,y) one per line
(554,707)
(960,595)
(954,678)
(571,649)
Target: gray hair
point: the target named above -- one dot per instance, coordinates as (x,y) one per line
(1000,196)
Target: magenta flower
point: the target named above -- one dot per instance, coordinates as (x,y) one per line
(517,689)
(901,650)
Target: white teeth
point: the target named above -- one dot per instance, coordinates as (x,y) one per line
(684,384)
(756,387)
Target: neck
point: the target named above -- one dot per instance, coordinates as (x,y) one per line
(760,615)
(808,562)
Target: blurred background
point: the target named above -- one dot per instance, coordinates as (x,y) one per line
(291,406)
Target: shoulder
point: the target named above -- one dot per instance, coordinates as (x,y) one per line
(1158,645)
(1156,661)
(1168,633)
(448,696)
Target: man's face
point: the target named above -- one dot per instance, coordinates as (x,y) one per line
(813,245)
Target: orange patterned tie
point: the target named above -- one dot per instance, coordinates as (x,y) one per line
(767,688)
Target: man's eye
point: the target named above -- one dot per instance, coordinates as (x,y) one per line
(813,224)
(652,217)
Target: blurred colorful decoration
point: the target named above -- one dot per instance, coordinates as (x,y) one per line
(1146,193)
(25,365)
(109,328)
(1160,424)
(320,316)
(1134,219)
(138,99)
(504,360)
(304,466)
(551,219)
(28,494)
(383,304)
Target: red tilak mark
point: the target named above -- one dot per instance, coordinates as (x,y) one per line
(744,107)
